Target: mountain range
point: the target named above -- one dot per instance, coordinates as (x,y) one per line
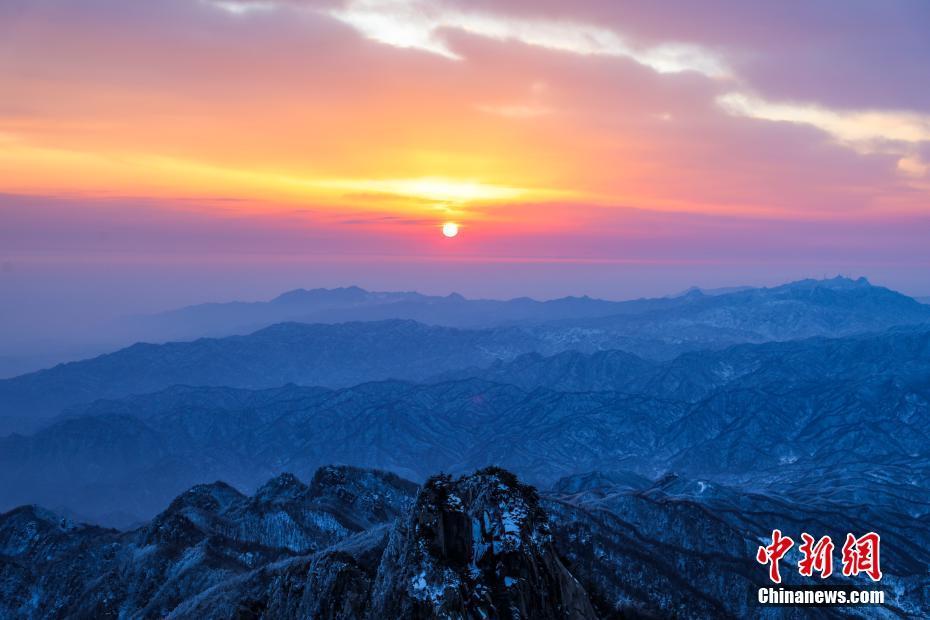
(854,409)
(366,544)
(308,354)
(653,444)
(839,298)
(340,305)
(345,354)
(786,310)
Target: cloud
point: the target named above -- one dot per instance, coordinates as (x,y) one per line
(419,24)
(866,55)
(242,7)
(435,189)
(913,166)
(897,133)
(292,105)
(851,127)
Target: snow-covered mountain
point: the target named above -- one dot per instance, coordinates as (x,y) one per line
(669,437)
(363,544)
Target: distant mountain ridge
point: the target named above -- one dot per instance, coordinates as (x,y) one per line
(692,376)
(356,304)
(667,338)
(343,354)
(339,305)
(308,354)
(836,307)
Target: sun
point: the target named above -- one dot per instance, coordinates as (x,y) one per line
(450,229)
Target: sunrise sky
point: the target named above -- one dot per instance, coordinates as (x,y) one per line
(169,152)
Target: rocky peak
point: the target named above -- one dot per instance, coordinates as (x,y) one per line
(360,497)
(285,488)
(214,497)
(476,547)
(26,527)
(330,295)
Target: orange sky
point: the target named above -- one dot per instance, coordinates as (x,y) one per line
(519,120)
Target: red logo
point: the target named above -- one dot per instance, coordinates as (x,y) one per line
(773,553)
(860,555)
(816,557)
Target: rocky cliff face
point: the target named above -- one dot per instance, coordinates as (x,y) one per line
(334,584)
(477,547)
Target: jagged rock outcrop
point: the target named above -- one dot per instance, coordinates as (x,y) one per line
(208,537)
(477,547)
(334,584)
